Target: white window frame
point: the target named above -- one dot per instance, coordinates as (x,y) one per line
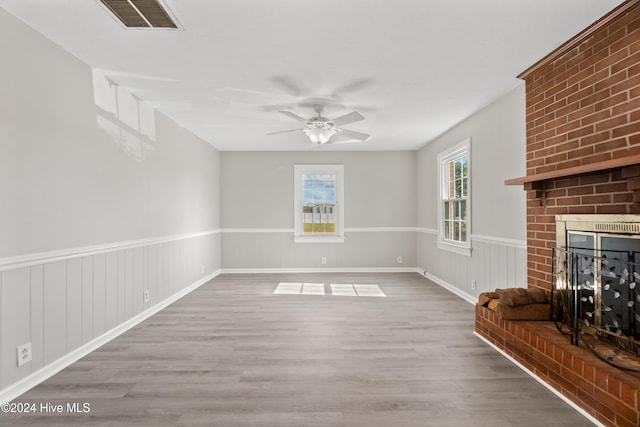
(299,235)
(461,149)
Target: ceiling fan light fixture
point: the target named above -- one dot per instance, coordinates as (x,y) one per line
(320,129)
(319,135)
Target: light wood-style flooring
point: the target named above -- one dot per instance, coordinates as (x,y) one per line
(233,353)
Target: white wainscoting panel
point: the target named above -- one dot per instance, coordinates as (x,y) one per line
(16,321)
(65,303)
(99,294)
(136,292)
(36,312)
(55,311)
(87,299)
(1,332)
(74,303)
(494,263)
(111,291)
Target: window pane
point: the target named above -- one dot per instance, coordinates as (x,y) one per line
(318,208)
(318,191)
(455,190)
(450,179)
(459,176)
(463,177)
(308,194)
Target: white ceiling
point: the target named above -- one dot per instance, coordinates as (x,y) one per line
(413,68)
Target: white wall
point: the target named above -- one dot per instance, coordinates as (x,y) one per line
(498,212)
(257,211)
(98,204)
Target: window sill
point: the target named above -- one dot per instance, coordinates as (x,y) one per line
(451,247)
(318,239)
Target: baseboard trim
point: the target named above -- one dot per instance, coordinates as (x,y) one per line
(465,296)
(541,381)
(22,386)
(320,270)
(346,230)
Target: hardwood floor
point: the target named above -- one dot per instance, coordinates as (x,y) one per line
(233,353)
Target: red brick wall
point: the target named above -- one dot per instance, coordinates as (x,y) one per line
(583,107)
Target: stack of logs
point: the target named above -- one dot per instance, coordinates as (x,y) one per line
(517,303)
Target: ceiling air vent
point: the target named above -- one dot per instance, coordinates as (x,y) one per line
(140,13)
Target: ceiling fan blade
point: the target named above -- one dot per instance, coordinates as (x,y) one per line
(348,118)
(292,115)
(353,134)
(354,86)
(285,131)
(291,85)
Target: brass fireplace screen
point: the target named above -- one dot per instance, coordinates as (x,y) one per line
(596,286)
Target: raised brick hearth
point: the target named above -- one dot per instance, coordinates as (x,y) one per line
(583,157)
(606,393)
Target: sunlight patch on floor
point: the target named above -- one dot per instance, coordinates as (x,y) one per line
(348,289)
(335,289)
(300,289)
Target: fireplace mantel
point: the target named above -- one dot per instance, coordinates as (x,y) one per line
(576,170)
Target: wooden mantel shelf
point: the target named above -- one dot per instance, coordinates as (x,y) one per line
(577,170)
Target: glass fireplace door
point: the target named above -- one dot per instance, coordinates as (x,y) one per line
(618,277)
(607,267)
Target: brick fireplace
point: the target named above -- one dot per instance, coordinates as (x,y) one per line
(583,157)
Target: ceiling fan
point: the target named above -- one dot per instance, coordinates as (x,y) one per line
(320,129)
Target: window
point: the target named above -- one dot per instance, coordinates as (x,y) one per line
(454,205)
(318,203)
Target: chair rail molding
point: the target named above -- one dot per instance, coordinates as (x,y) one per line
(11,263)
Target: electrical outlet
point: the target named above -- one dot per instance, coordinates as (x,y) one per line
(146,295)
(399,260)
(24,354)
(323,260)
(473,284)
